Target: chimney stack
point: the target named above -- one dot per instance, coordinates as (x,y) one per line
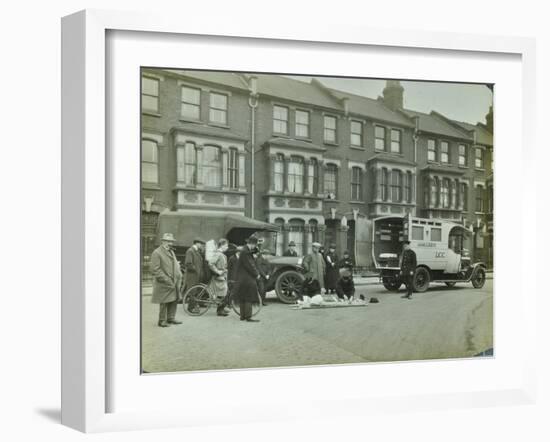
(393,94)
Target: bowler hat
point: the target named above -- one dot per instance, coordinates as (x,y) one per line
(332,245)
(168,237)
(198,240)
(316,244)
(374,300)
(291,244)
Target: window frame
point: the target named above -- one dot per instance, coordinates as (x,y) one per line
(334,130)
(279,161)
(396,175)
(399,132)
(232,168)
(480,158)
(463,156)
(195,105)
(356,183)
(273,119)
(480,199)
(329,168)
(360,133)
(376,138)
(445,153)
(296,177)
(434,150)
(218,109)
(298,124)
(157,97)
(156,162)
(204,168)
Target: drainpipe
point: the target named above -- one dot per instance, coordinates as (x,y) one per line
(253,103)
(416,177)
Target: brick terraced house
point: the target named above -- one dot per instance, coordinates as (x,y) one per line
(317,162)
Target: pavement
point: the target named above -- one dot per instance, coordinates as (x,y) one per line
(441,323)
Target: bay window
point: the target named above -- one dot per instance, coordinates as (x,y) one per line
(212,166)
(356,181)
(330,179)
(295,177)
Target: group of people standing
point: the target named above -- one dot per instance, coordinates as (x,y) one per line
(326,271)
(243,276)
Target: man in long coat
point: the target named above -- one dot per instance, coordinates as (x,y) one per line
(246,286)
(332,269)
(194,267)
(167,281)
(314,265)
(408,267)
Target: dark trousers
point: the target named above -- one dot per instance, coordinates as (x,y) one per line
(261,288)
(246,309)
(224,303)
(408,279)
(167,311)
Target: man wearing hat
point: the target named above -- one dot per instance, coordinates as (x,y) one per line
(291,251)
(346,262)
(332,273)
(314,265)
(232,269)
(194,267)
(246,286)
(167,281)
(408,267)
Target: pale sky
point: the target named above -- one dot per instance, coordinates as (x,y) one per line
(458,101)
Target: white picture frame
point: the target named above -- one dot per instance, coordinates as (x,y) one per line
(85,214)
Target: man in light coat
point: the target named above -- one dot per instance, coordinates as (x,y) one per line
(315,266)
(167,281)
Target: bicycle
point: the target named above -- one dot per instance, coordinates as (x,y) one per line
(201,296)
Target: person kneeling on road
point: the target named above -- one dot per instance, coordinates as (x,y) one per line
(345,287)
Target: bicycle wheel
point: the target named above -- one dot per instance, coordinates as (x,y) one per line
(256,306)
(196,300)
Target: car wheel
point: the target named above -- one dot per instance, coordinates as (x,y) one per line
(450,284)
(421,280)
(288,286)
(478,278)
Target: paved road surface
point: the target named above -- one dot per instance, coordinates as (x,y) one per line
(440,323)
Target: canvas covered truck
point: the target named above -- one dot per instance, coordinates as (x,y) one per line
(441,247)
(286,274)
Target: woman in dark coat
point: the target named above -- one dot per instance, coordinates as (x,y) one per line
(332,272)
(246,287)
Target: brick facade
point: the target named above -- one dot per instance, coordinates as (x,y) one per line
(325,162)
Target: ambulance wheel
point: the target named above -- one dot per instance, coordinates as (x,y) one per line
(478,278)
(421,280)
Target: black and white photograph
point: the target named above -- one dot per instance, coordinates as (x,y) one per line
(291,220)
